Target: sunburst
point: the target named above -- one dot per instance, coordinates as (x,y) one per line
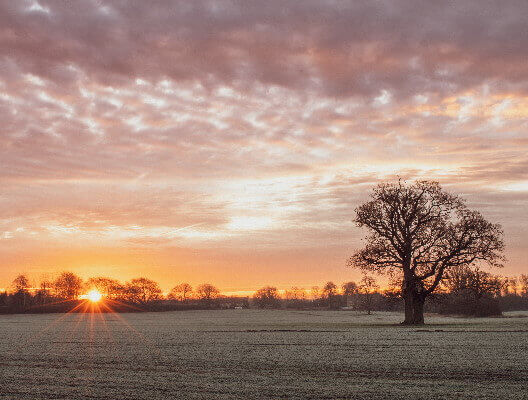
(94,296)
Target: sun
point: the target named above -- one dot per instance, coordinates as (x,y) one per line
(94,296)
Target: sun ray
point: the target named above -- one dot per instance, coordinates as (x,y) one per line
(129,326)
(59,319)
(102,316)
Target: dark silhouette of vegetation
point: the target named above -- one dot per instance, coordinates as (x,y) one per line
(109,288)
(207,293)
(295,298)
(20,297)
(368,289)
(181,292)
(330,297)
(420,232)
(267,297)
(68,286)
(68,293)
(463,291)
(349,288)
(471,292)
(21,283)
(142,291)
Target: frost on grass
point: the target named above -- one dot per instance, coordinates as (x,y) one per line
(241,354)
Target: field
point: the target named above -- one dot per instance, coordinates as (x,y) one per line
(253,354)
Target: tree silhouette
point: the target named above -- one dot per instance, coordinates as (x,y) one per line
(267,297)
(330,295)
(350,291)
(478,283)
(21,283)
(21,286)
(207,292)
(419,231)
(472,291)
(349,288)
(523,282)
(68,286)
(142,290)
(295,293)
(367,289)
(109,288)
(315,293)
(181,292)
(329,290)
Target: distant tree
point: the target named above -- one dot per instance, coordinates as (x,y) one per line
(349,289)
(329,290)
(3,298)
(472,291)
(367,288)
(315,293)
(295,293)
(21,287)
(350,293)
(295,298)
(419,232)
(46,285)
(330,295)
(108,287)
(68,286)
(207,292)
(181,292)
(43,293)
(392,295)
(142,291)
(509,286)
(21,283)
(267,297)
(478,283)
(523,283)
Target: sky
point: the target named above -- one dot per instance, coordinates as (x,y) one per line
(230,141)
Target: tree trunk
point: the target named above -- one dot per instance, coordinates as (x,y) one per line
(414,299)
(414,309)
(409,300)
(418,310)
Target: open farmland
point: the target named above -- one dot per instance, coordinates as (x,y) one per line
(245,354)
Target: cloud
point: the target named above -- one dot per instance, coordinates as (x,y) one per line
(259,124)
(336,48)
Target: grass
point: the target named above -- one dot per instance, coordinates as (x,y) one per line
(251,354)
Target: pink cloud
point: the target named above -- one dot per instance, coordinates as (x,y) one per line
(166,114)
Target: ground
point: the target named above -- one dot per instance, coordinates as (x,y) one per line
(261,354)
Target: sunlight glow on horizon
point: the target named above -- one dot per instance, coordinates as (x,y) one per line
(94,296)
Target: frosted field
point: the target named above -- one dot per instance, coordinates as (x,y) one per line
(251,354)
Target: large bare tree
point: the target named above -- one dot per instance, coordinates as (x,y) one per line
(418,231)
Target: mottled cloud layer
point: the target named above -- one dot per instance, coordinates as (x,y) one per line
(195,137)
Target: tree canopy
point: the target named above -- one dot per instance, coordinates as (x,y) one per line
(267,297)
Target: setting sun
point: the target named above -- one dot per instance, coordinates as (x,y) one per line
(94,296)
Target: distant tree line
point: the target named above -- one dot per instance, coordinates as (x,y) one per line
(468,291)
(68,290)
(463,291)
(358,296)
